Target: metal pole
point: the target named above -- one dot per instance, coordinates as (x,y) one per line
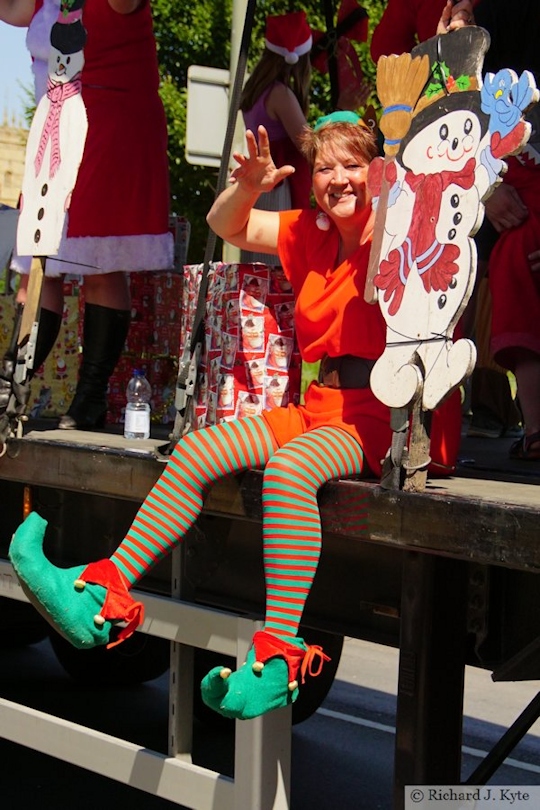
(506,744)
(231,253)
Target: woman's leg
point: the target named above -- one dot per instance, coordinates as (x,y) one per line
(107,317)
(84,602)
(292,524)
(292,547)
(108,290)
(176,499)
(52,293)
(527,371)
(50,315)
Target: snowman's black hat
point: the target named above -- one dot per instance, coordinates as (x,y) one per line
(455,80)
(456,61)
(68,35)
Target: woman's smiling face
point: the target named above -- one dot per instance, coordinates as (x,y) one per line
(340,183)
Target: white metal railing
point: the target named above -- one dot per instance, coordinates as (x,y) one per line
(262,746)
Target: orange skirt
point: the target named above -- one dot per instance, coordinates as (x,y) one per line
(360,413)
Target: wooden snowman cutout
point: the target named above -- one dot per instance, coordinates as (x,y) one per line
(439,167)
(53,154)
(56,140)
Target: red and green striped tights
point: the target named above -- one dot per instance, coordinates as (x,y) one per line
(87,603)
(293,475)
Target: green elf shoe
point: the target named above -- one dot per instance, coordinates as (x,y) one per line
(266,681)
(81,603)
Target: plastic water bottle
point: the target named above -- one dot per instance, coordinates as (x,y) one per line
(138,393)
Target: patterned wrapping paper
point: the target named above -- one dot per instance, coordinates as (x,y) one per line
(251,361)
(54,382)
(152,345)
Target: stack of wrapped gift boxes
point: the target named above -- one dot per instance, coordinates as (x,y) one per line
(251,360)
(152,345)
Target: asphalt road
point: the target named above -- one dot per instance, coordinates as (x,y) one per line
(342,755)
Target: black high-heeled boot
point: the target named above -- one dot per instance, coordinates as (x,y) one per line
(104,334)
(8,362)
(14,396)
(49,327)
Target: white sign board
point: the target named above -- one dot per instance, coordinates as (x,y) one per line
(207,114)
(8,233)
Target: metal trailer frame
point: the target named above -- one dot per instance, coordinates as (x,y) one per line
(447,540)
(262,746)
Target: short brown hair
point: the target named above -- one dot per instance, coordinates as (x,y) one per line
(356,138)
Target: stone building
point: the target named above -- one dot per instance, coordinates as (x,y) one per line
(12,149)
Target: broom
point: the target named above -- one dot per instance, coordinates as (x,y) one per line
(400,82)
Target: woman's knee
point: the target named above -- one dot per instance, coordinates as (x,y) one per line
(108,289)
(285,464)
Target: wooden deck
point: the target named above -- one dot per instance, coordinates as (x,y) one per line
(487,513)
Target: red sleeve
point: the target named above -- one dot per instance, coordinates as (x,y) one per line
(404,24)
(290,241)
(396,32)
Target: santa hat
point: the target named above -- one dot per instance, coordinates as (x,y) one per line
(289,35)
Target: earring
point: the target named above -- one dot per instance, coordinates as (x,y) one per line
(322,222)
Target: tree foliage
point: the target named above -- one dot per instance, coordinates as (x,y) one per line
(200,34)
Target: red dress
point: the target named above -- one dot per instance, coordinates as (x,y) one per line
(118,217)
(404,24)
(515,287)
(331,317)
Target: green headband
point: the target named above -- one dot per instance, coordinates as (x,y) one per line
(339,117)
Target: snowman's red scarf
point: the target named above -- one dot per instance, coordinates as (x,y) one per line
(57,93)
(435,262)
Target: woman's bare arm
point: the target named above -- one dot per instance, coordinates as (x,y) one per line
(126,6)
(234,219)
(283,105)
(456,15)
(17,12)
(232,215)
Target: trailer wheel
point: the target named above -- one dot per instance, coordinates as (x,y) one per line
(310,696)
(138,659)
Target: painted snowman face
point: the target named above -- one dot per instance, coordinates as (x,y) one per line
(64,66)
(444,145)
